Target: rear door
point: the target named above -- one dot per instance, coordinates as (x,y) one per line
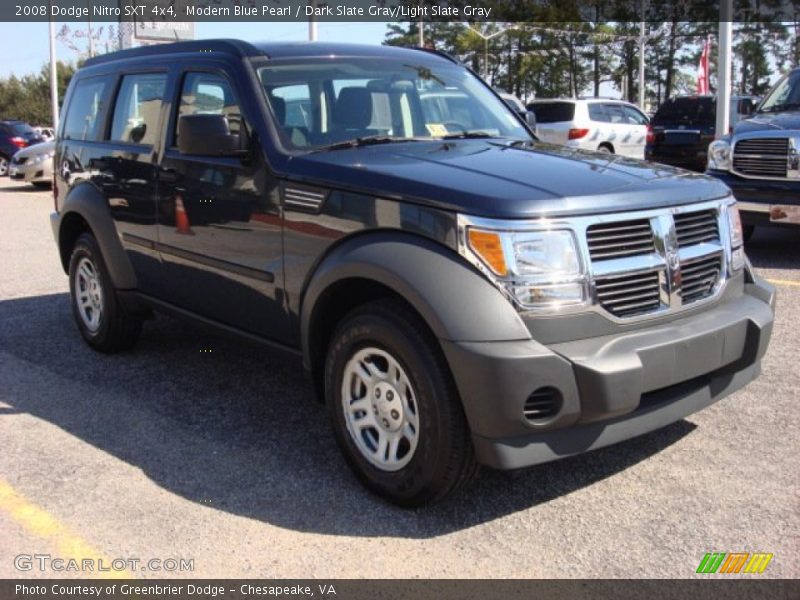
(554,120)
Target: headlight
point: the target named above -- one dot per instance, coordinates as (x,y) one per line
(737,237)
(719,155)
(538,269)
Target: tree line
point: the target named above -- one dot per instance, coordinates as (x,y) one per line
(557,59)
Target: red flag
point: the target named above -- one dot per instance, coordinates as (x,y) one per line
(702,69)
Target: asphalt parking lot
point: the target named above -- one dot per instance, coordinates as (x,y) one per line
(171,451)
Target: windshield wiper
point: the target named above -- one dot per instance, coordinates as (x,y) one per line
(469,135)
(780,107)
(368,140)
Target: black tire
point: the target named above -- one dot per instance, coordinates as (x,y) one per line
(605,149)
(747,232)
(444,459)
(3,166)
(115,330)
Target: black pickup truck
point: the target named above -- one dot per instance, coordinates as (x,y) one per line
(760,160)
(459,292)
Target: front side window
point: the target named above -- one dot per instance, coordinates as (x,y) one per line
(209,94)
(86,110)
(136,113)
(319,102)
(634,116)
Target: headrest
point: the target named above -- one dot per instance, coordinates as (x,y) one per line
(353,108)
(279,108)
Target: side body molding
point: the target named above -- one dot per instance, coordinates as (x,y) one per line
(457,302)
(90,203)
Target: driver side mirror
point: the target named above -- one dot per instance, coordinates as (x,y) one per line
(209,135)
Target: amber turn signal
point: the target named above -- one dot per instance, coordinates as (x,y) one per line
(487,245)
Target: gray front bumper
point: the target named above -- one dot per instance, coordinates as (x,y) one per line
(613,387)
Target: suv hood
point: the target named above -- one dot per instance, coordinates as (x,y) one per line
(490,178)
(770,122)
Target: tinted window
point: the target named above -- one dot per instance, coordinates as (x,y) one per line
(138,107)
(690,111)
(597,112)
(209,94)
(553,112)
(86,110)
(785,94)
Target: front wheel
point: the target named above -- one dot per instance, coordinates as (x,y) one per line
(395,411)
(101,319)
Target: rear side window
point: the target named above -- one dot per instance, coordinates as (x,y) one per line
(553,112)
(615,114)
(597,112)
(86,110)
(138,107)
(687,111)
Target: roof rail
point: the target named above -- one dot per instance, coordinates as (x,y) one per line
(229,46)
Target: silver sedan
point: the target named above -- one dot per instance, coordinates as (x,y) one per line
(33,164)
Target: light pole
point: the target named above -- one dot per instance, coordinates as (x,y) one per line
(486,39)
(724,68)
(312,24)
(53,71)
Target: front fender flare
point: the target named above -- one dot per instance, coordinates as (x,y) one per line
(457,302)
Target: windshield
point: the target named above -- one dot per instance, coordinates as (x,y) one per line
(785,95)
(324,102)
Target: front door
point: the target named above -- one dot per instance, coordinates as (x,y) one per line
(219,221)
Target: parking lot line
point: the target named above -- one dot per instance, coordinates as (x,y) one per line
(40,523)
(784,282)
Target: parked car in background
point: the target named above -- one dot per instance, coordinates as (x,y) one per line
(518,106)
(33,164)
(604,125)
(47,133)
(759,159)
(684,126)
(14,136)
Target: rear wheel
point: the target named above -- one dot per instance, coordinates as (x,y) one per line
(604,149)
(3,166)
(394,407)
(100,318)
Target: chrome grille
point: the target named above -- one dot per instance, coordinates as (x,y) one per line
(618,240)
(699,278)
(629,294)
(761,157)
(696,228)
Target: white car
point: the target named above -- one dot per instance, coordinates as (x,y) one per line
(602,125)
(33,164)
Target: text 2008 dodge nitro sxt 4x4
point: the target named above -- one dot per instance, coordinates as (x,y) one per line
(460,292)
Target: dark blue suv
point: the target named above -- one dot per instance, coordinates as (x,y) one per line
(460,293)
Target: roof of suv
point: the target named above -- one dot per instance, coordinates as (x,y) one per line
(269,49)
